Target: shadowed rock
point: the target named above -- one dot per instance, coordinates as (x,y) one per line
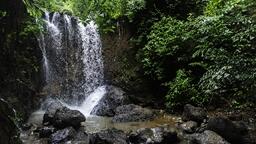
(110,136)
(193,113)
(132,113)
(62,136)
(232,132)
(65,117)
(50,112)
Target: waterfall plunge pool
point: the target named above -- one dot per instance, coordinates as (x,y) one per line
(95,124)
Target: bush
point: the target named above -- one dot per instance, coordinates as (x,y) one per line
(181,91)
(216,50)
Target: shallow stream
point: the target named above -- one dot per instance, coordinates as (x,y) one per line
(95,124)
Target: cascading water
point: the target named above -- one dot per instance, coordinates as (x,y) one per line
(72,62)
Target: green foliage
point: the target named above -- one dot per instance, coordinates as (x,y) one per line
(218,7)
(159,45)
(2,13)
(181,91)
(33,8)
(104,12)
(216,49)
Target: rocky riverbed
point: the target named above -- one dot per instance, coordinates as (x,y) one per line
(133,124)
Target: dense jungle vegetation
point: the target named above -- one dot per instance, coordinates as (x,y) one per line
(196,51)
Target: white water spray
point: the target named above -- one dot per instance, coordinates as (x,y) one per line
(72,62)
(90,102)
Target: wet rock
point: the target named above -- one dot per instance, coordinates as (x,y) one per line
(207,137)
(192,113)
(8,128)
(62,135)
(132,113)
(232,132)
(45,132)
(110,136)
(81,137)
(50,112)
(189,126)
(66,117)
(158,135)
(113,98)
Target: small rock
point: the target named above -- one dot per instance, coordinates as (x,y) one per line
(156,135)
(66,117)
(189,126)
(132,113)
(62,135)
(192,113)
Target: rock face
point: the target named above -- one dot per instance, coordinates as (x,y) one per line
(114,97)
(208,137)
(193,113)
(158,135)
(232,132)
(62,135)
(65,117)
(110,136)
(132,113)
(8,129)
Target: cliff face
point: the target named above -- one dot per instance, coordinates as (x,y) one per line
(8,128)
(116,47)
(20,57)
(122,67)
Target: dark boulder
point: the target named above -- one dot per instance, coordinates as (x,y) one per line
(110,136)
(192,113)
(132,113)
(207,137)
(66,117)
(113,98)
(232,132)
(62,135)
(51,109)
(158,135)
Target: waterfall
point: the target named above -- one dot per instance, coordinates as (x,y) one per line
(72,61)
